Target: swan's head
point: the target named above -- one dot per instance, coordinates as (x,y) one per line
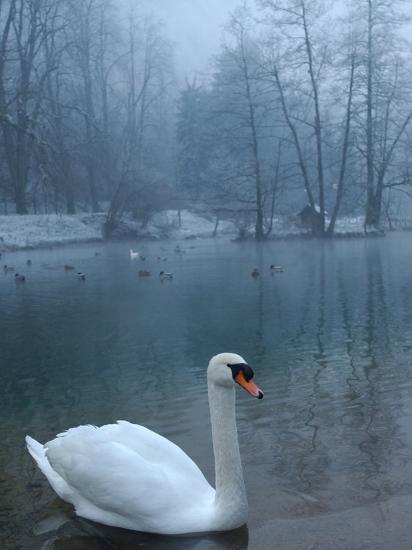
(226,369)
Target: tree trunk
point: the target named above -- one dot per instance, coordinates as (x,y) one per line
(371,217)
(373,211)
(259,233)
(216,226)
(68,191)
(85,62)
(296,141)
(318,124)
(274,190)
(345,146)
(92,187)
(20,199)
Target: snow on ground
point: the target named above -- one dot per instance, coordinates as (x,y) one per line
(349,225)
(287,226)
(192,225)
(33,231)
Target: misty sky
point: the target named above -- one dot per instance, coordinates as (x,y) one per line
(195,26)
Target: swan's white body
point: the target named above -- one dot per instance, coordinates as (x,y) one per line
(134,255)
(125,475)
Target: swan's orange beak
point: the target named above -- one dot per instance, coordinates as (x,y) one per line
(249,385)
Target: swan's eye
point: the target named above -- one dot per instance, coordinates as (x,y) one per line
(247,371)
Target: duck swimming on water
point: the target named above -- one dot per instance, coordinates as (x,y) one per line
(165,275)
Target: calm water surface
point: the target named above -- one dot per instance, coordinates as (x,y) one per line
(327,454)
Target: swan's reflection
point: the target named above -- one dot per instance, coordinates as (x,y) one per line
(81,534)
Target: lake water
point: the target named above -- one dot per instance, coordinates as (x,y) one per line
(327,454)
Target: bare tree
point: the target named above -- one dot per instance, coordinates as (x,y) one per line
(296,138)
(345,146)
(83,47)
(147,81)
(298,14)
(388,113)
(238,113)
(25,29)
(55,112)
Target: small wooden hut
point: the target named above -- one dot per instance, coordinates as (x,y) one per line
(311,218)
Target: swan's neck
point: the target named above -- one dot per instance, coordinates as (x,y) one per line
(230,499)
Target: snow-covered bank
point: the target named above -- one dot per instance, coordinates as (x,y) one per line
(35,231)
(190,225)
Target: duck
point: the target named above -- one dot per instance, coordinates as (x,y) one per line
(276,269)
(161,259)
(81,276)
(255,273)
(134,255)
(165,275)
(7,268)
(19,278)
(68,267)
(125,475)
(28,262)
(143,273)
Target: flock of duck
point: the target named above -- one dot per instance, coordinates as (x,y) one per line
(134,255)
(19,278)
(163,275)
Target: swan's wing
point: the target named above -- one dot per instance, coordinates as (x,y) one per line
(106,469)
(154,448)
(159,451)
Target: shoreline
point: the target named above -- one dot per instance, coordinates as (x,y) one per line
(31,232)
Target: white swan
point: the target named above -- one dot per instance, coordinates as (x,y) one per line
(125,475)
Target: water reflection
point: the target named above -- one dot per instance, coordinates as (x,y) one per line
(329,338)
(81,534)
(313,463)
(337,435)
